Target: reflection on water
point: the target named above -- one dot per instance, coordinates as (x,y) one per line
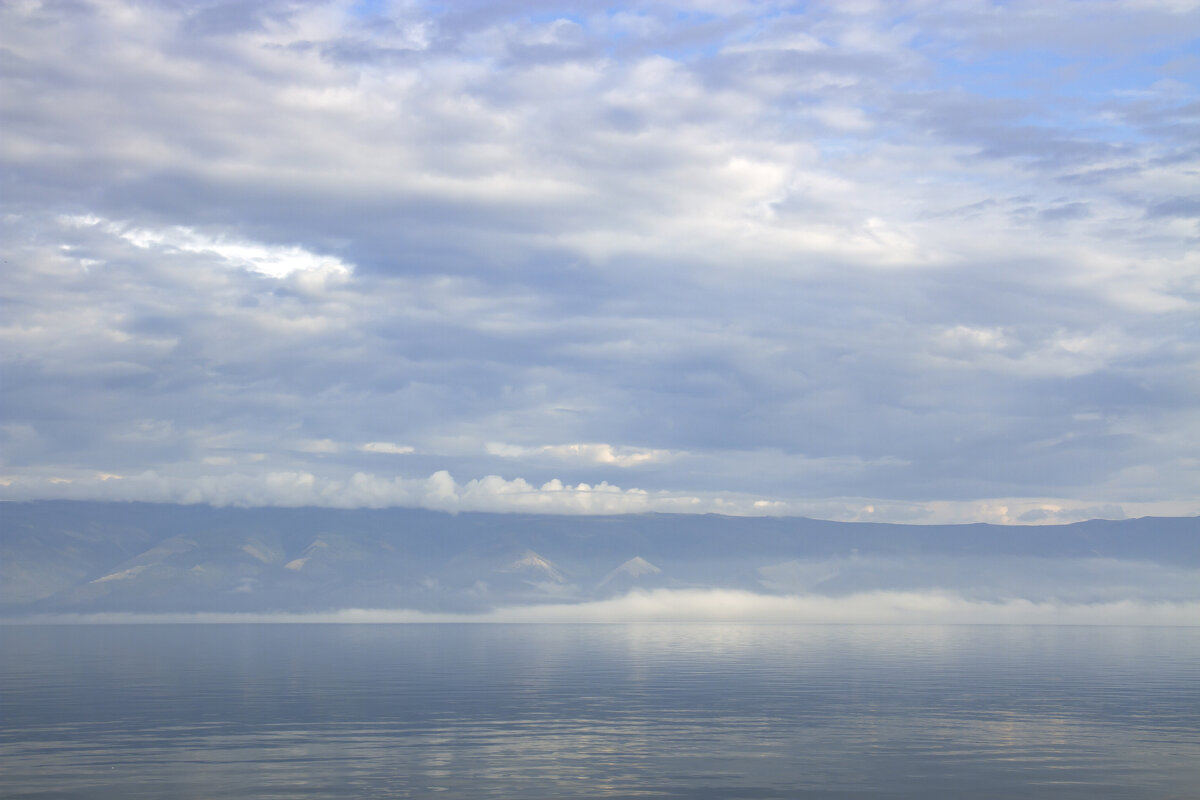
(544,711)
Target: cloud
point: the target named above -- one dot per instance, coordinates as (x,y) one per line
(274,261)
(441,492)
(316,446)
(993,579)
(728,606)
(585,453)
(388,448)
(923,256)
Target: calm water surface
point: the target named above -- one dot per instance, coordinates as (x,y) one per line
(545,711)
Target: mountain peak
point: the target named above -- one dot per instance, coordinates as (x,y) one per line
(636,567)
(530,562)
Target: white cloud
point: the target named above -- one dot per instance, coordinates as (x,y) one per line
(583,453)
(270,260)
(493,493)
(388,448)
(797,41)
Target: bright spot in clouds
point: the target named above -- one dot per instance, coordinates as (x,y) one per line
(273,261)
(388,448)
(582,453)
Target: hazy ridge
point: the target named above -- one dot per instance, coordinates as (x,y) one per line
(75,557)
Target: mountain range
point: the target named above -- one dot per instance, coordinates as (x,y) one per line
(79,557)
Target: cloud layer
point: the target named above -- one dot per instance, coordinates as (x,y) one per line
(731,606)
(917,261)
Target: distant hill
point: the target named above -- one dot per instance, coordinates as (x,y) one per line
(85,557)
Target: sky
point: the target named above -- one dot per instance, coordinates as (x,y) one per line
(916,261)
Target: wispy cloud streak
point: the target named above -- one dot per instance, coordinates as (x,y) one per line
(720,606)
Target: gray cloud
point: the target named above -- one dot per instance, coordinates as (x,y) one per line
(807,256)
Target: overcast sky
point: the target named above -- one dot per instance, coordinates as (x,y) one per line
(935,260)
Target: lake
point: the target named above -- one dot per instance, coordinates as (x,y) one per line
(613,711)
